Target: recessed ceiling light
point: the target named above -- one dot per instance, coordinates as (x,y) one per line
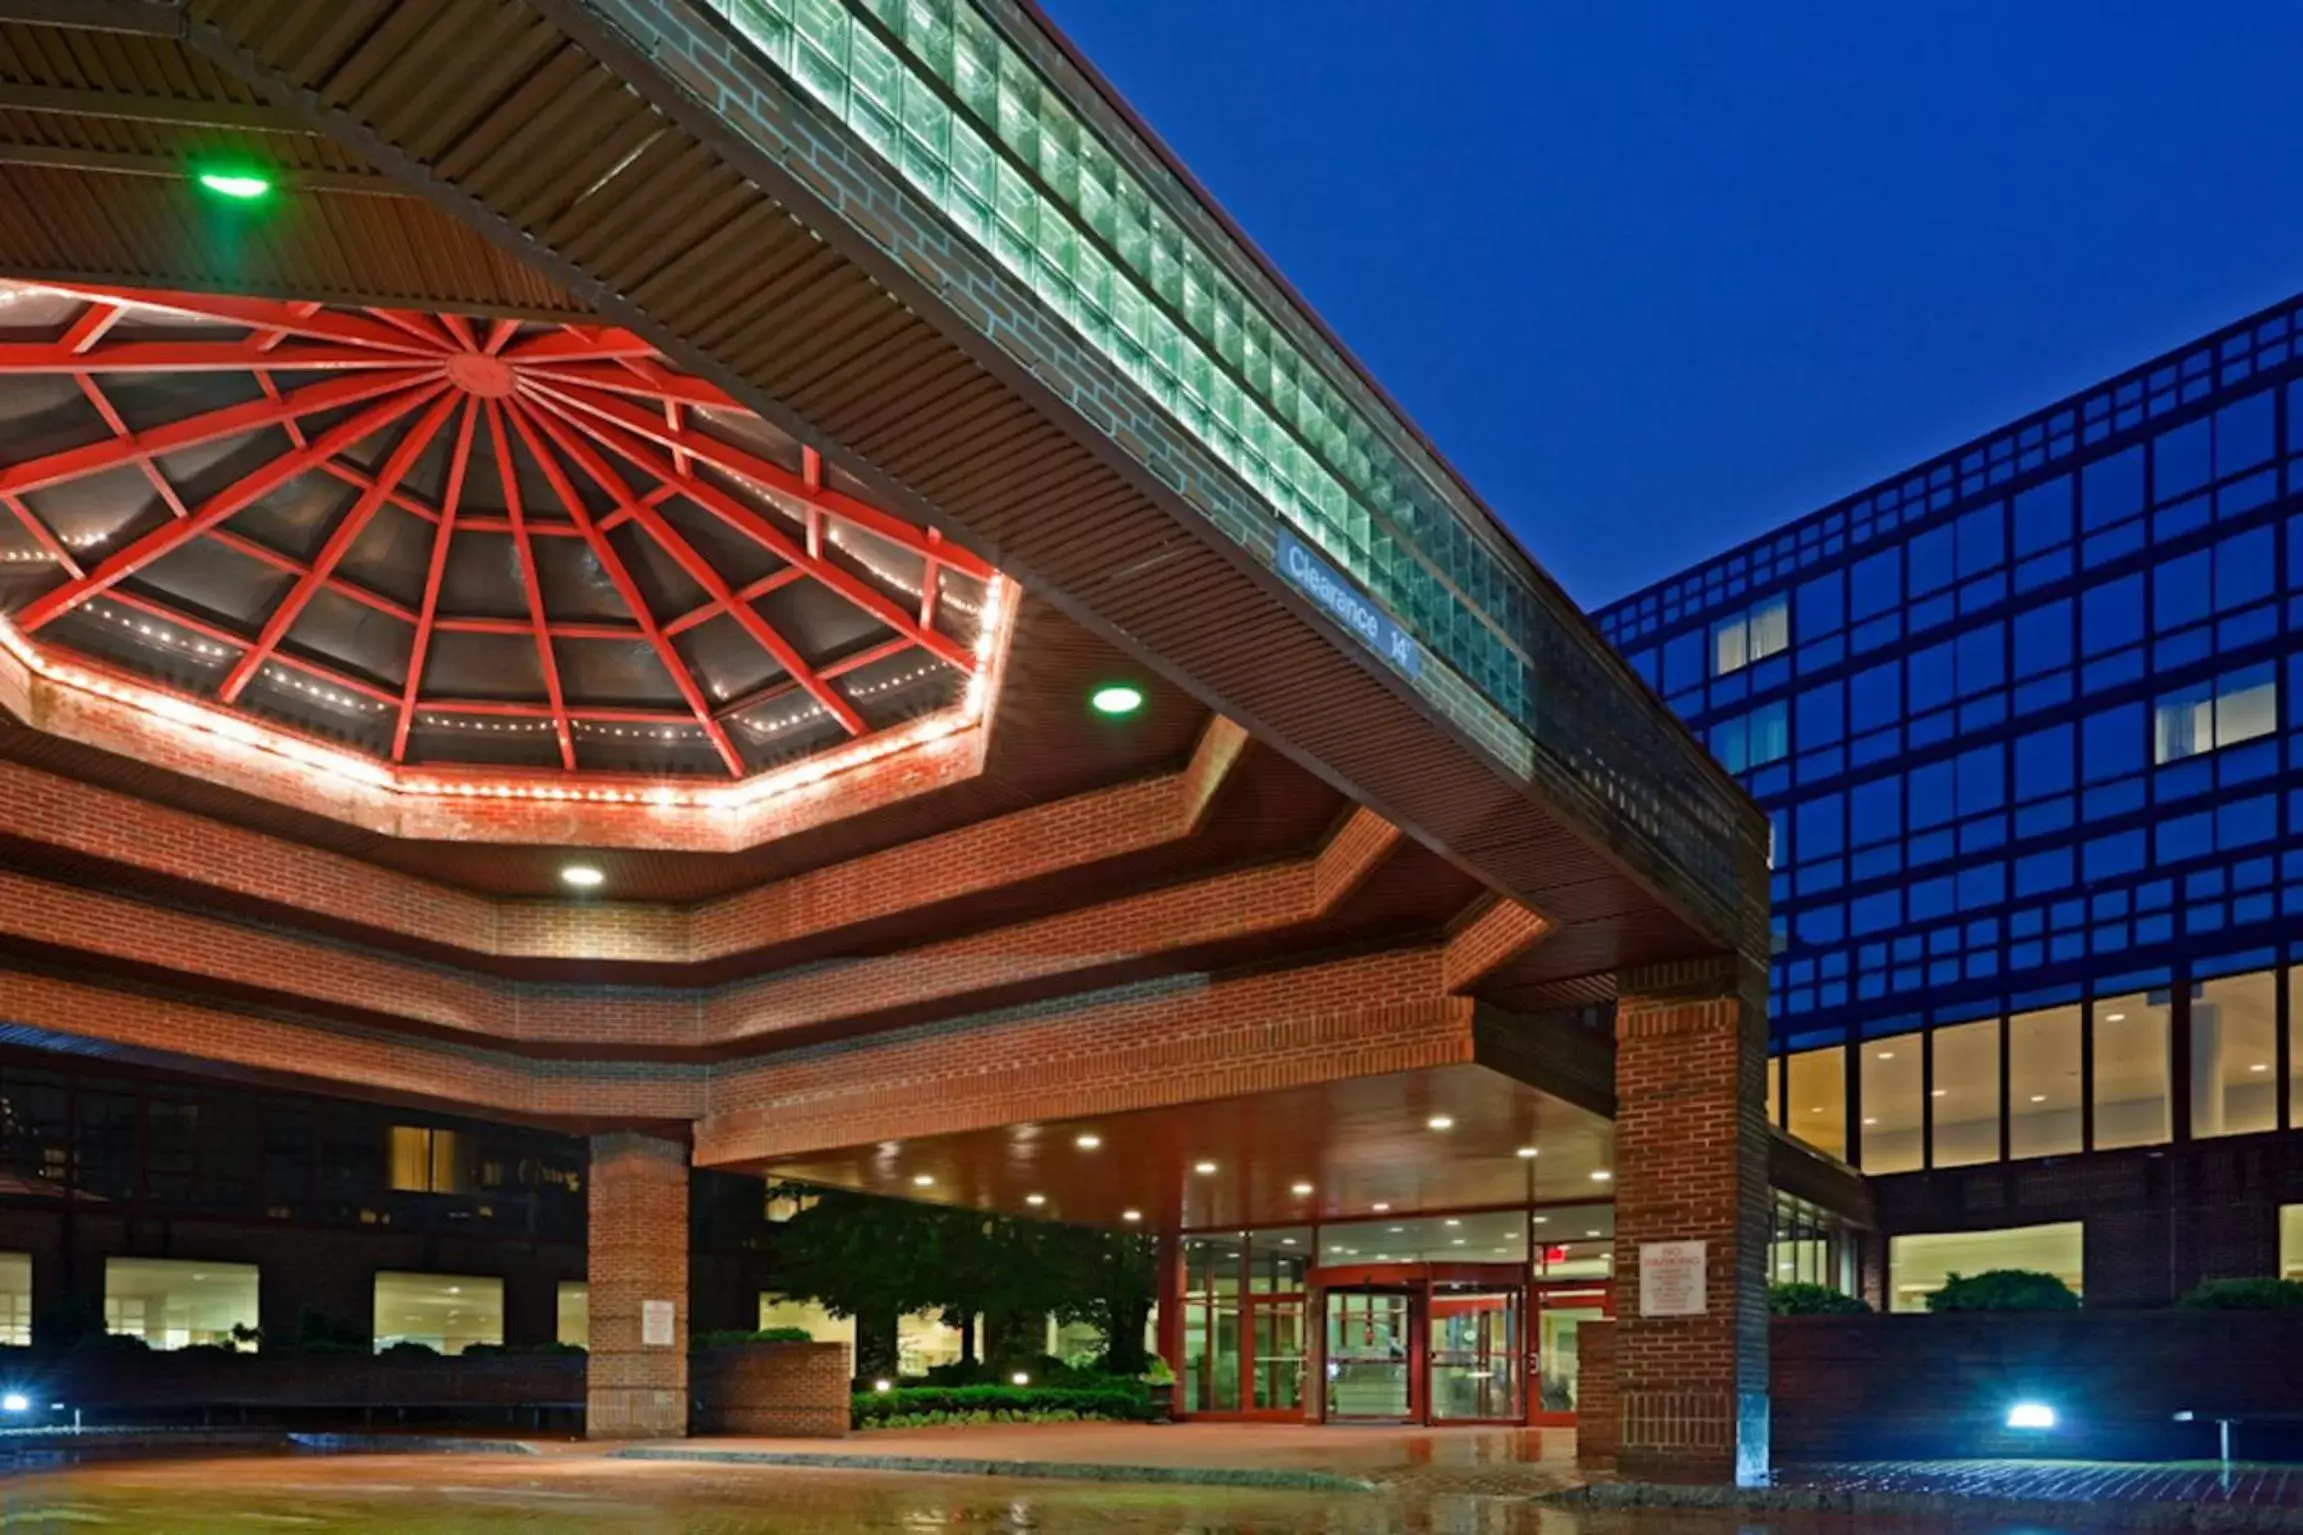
(1395,1228)
(1287,1241)
(1035,1199)
(1867,1119)
(1131,1215)
(1591,1233)
(1203,1168)
(583,876)
(923,1180)
(240,185)
(1457,1241)
(2258,1066)
(1940,1092)
(1601,1176)
(2114,1017)
(1452,1221)
(1526,1153)
(1543,1220)
(1116,699)
(1299,1189)
(1440,1122)
(2038,1097)
(1087,1142)
(1380,1206)
(1887,1055)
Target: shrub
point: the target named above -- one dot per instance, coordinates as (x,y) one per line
(407,1348)
(920,1406)
(1042,1370)
(1159,1372)
(2245,1295)
(2004,1290)
(739,1337)
(1813,1300)
(518,1350)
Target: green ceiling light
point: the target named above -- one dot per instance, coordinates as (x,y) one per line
(1116,699)
(243,186)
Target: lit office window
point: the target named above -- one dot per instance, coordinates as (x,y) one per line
(574,1306)
(425,1160)
(1893,1105)
(2295,1044)
(2240,706)
(1818,1099)
(2132,1105)
(15,1299)
(447,1312)
(1774,1090)
(1965,1099)
(1753,635)
(2044,1112)
(2235,1055)
(175,1303)
(1918,1266)
(820,1325)
(2291,1241)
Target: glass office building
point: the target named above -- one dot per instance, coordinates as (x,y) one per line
(2024,720)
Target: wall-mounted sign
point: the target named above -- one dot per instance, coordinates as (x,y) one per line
(655,1324)
(1671,1278)
(1347,605)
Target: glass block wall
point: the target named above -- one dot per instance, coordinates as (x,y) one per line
(2024,724)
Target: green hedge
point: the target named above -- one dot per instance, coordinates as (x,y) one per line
(2003,1290)
(2245,1295)
(1812,1300)
(918,1406)
(739,1337)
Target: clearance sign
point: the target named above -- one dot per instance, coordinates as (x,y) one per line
(1347,605)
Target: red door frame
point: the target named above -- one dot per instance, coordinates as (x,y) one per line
(1600,1289)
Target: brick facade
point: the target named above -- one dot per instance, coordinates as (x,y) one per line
(635,1388)
(1598,1407)
(780,1390)
(1691,1165)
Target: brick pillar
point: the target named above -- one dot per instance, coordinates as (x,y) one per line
(636,1388)
(1691,1166)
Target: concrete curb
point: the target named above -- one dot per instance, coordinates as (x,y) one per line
(48,1443)
(1051,1470)
(407,1444)
(2100,1514)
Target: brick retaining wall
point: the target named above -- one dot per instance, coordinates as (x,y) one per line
(772,1390)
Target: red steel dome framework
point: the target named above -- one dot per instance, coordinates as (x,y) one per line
(468,545)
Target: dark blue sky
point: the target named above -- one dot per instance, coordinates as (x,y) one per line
(1658,276)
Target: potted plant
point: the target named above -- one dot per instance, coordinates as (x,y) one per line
(1159,1383)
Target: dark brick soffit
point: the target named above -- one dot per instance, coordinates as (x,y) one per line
(635,67)
(1798,1169)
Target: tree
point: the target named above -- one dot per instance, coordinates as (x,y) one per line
(858,1255)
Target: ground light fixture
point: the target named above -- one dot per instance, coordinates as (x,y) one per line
(923,1180)
(2031,1415)
(236,183)
(582,876)
(883,1385)
(1087,1142)
(1116,700)
(1131,1215)
(1019,1379)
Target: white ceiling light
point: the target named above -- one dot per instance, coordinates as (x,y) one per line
(583,876)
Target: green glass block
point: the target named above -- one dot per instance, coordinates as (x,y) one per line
(874,74)
(975,165)
(927,119)
(824,24)
(975,67)
(1059,158)
(888,13)
(927,35)
(1019,126)
(764,25)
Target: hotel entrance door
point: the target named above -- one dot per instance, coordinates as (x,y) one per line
(1371,1363)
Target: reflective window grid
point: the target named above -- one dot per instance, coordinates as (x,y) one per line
(2033,758)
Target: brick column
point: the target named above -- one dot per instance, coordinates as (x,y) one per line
(1691,1166)
(638,1211)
